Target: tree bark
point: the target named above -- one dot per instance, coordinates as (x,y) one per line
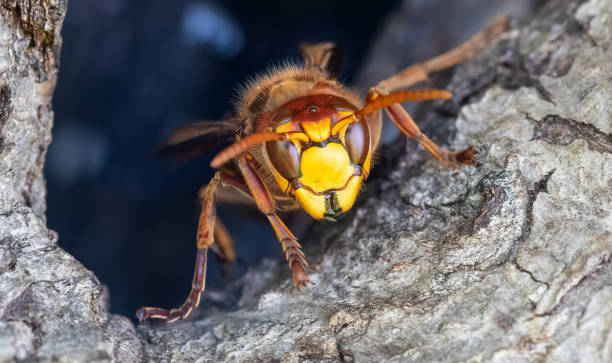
(51,307)
(508,260)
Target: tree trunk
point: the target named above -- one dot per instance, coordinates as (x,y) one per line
(51,307)
(508,260)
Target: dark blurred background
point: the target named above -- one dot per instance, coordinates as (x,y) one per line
(131,71)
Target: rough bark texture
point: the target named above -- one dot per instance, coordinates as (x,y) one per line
(505,261)
(51,307)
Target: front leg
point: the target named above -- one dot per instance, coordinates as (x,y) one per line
(420,72)
(205,239)
(408,127)
(265,203)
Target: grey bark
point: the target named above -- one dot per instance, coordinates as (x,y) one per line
(51,307)
(507,261)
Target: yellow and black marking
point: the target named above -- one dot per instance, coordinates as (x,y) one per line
(333,212)
(328,181)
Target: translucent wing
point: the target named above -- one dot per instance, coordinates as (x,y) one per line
(327,56)
(193,140)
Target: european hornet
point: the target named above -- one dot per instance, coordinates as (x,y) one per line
(300,139)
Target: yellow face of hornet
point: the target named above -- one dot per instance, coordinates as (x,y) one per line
(325,168)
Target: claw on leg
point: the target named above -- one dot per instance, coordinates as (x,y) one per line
(193,300)
(408,127)
(466,157)
(297,262)
(449,157)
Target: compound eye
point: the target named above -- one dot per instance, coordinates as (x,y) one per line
(357,141)
(285,158)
